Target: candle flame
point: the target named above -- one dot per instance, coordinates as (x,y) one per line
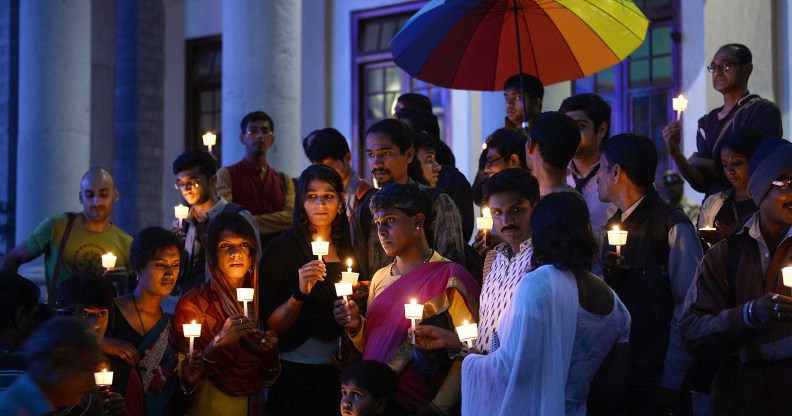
(615,228)
(104,370)
(110,253)
(349,263)
(318,238)
(681,97)
(414,302)
(193,322)
(485,212)
(464,323)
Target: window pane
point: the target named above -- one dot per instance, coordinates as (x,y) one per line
(661,40)
(661,70)
(605,80)
(206,101)
(205,63)
(369,36)
(392,79)
(639,72)
(640,115)
(585,84)
(374,80)
(390,101)
(206,123)
(218,63)
(218,100)
(641,52)
(375,103)
(388,32)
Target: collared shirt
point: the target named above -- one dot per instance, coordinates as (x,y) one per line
(500,283)
(600,212)
(752,225)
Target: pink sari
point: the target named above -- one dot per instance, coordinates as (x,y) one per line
(386,327)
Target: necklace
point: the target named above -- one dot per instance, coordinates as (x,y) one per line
(431,253)
(143,327)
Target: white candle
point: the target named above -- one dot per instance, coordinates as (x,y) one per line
(413,311)
(181,212)
(618,238)
(343,289)
(467,333)
(349,276)
(108,260)
(786,272)
(484,222)
(680,105)
(192,331)
(245,295)
(209,139)
(707,228)
(320,248)
(103,378)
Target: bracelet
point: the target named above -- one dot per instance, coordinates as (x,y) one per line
(746,319)
(299,296)
(751,316)
(208,360)
(217,338)
(181,384)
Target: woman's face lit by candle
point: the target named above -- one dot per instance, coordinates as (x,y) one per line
(321,203)
(233,255)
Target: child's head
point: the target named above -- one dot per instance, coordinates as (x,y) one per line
(366,388)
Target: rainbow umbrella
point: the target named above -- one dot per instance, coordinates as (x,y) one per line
(478,44)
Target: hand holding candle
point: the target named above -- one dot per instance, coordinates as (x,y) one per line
(181,212)
(467,333)
(209,140)
(192,331)
(786,273)
(343,289)
(320,248)
(413,311)
(680,105)
(103,378)
(349,276)
(108,260)
(245,295)
(618,238)
(484,222)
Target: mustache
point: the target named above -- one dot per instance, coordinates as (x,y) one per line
(380,170)
(510,228)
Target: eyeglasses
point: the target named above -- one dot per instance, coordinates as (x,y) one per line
(785,184)
(254,131)
(725,67)
(187,185)
(491,162)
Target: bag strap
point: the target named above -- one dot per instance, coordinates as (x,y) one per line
(52,286)
(729,125)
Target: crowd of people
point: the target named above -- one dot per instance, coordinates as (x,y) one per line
(675,319)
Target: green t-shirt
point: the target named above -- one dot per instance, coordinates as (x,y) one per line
(84,248)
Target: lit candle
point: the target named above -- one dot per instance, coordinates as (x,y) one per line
(349,276)
(680,105)
(786,272)
(108,260)
(484,222)
(320,248)
(245,295)
(707,228)
(343,289)
(181,212)
(103,378)
(413,311)
(467,333)
(192,331)
(209,139)
(618,238)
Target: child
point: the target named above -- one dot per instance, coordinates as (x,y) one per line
(367,388)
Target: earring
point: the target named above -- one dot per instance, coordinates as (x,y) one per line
(417,227)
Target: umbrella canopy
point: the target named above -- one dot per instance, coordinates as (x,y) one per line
(473,44)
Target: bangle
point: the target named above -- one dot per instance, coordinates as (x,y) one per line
(217,338)
(208,360)
(299,296)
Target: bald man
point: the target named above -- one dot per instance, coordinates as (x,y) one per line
(76,241)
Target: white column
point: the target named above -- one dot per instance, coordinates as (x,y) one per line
(261,71)
(54,108)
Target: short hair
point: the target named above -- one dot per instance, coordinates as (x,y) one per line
(422,140)
(743,140)
(420,120)
(325,143)
(146,244)
(200,159)
(15,292)
(531,85)
(557,136)
(67,332)
(329,175)
(517,181)
(412,99)
(399,133)
(373,376)
(597,109)
(743,53)
(406,198)
(256,116)
(508,141)
(561,232)
(237,224)
(635,154)
(87,289)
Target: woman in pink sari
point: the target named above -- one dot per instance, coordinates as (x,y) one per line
(402,215)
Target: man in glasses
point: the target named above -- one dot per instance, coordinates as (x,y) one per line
(738,313)
(76,241)
(730,68)
(196,177)
(254,184)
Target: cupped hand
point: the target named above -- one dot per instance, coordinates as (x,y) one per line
(430,337)
(347,314)
(310,273)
